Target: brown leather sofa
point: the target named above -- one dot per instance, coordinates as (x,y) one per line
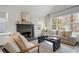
(65,38)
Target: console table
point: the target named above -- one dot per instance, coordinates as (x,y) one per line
(56,42)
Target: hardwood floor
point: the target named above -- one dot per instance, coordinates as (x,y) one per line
(47,48)
(1,51)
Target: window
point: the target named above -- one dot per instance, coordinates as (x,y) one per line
(54,23)
(67,22)
(3,22)
(61,23)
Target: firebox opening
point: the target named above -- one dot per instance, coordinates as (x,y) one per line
(27,34)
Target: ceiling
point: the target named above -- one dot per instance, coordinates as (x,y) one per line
(59,8)
(37,10)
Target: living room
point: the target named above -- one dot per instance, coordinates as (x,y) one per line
(37,24)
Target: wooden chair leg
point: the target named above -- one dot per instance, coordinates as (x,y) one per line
(38,49)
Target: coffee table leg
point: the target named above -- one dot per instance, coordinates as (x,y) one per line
(56,45)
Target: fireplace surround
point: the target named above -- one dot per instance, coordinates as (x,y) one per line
(26,30)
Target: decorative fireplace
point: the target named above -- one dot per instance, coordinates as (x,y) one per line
(26,30)
(27,34)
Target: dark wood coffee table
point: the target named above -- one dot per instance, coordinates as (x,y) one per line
(56,42)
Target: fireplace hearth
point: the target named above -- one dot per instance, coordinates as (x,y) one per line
(26,30)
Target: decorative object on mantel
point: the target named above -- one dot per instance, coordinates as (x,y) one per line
(23,21)
(25,18)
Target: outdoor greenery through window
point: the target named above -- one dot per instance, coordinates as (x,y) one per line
(67,22)
(58,23)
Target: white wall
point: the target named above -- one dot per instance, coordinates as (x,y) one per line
(13,16)
(38,21)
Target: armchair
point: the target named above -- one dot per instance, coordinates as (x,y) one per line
(19,44)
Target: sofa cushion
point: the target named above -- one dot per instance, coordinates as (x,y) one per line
(68,40)
(65,33)
(62,33)
(68,34)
